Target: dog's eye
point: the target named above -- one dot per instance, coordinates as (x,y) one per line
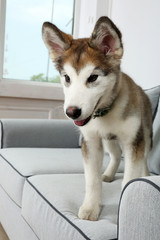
(67,78)
(92,78)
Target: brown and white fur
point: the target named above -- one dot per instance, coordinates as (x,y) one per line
(92,79)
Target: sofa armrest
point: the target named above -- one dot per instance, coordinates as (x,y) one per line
(38,133)
(139,210)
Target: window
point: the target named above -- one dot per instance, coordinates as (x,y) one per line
(25,55)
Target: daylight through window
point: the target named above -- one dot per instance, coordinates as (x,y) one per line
(25,55)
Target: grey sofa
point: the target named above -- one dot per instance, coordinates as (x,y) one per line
(42,185)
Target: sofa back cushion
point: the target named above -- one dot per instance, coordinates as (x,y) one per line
(153,94)
(154,156)
(38,133)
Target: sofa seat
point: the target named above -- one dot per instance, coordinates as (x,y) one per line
(57,208)
(16,164)
(13,222)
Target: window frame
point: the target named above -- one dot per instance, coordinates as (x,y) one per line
(84,21)
(20,88)
(29,89)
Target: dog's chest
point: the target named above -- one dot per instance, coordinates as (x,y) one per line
(110,127)
(106,127)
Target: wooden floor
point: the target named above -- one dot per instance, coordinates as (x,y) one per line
(3,235)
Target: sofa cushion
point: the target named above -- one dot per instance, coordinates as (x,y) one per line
(18,163)
(38,133)
(10,217)
(50,206)
(154,156)
(153,94)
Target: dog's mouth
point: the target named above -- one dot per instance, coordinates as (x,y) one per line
(83,122)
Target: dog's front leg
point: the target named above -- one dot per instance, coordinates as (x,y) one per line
(92,151)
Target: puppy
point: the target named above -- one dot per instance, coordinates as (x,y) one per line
(106,105)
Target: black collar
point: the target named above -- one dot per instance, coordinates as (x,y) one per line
(103,111)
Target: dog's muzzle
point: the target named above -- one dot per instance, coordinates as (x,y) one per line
(75,113)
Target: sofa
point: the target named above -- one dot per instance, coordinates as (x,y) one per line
(42,185)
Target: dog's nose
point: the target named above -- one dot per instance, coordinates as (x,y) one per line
(73,112)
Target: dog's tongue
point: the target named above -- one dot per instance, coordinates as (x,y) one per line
(80,123)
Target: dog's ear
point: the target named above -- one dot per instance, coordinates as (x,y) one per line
(55,40)
(107,38)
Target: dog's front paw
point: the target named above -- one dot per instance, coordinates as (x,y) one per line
(89,212)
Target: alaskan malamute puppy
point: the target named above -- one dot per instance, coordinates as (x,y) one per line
(106,105)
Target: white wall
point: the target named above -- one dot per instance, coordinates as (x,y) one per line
(139,22)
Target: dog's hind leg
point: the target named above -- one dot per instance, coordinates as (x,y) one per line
(92,151)
(114,151)
(136,153)
(135,164)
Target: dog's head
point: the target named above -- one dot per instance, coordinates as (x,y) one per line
(89,67)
